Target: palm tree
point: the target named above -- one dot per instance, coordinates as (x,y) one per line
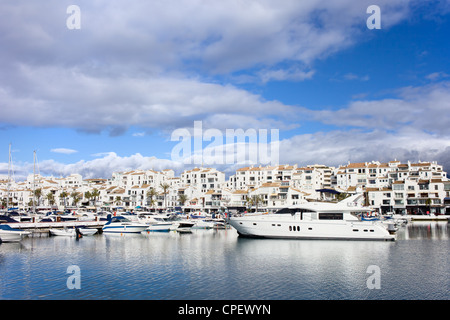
(95,193)
(50,198)
(88,196)
(76,197)
(257,199)
(151,193)
(38,194)
(254,200)
(182,198)
(64,195)
(341,196)
(165,186)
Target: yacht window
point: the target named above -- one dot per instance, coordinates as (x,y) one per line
(331,216)
(290,228)
(356,230)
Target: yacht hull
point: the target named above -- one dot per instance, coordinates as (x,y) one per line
(124,229)
(12,236)
(273,227)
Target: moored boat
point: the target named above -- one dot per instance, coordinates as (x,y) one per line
(313,220)
(9,234)
(72,232)
(161,224)
(121,224)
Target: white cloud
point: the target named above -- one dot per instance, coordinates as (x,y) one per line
(294,74)
(70,98)
(339,147)
(63,150)
(352,76)
(424,108)
(412,125)
(101,167)
(436,76)
(144,63)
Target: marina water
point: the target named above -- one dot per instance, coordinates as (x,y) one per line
(219,265)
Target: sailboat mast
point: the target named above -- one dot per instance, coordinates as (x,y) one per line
(9,178)
(34,181)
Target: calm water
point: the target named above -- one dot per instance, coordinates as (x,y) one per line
(218,265)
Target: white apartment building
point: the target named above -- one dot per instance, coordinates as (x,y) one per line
(389,187)
(378,175)
(204,179)
(309,178)
(411,197)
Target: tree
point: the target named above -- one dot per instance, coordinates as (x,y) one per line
(38,195)
(254,200)
(151,193)
(257,199)
(76,197)
(341,196)
(94,194)
(88,195)
(50,198)
(182,198)
(64,195)
(165,186)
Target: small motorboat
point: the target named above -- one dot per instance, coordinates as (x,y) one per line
(72,232)
(161,225)
(8,234)
(185,226)
(204,224)
(121,224)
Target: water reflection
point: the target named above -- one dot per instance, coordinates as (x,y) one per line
(217,264)
(431,230)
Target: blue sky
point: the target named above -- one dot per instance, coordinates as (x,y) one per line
(106,97)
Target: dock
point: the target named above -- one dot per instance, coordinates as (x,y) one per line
(427,217)
(442,218)
(39,229)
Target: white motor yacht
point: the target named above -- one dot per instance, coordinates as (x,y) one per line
(161,224)
(121,224)
(204,223)
(313,220)
(8,234)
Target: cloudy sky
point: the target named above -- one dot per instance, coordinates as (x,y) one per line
(108,96)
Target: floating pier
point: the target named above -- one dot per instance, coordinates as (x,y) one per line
(39,229)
